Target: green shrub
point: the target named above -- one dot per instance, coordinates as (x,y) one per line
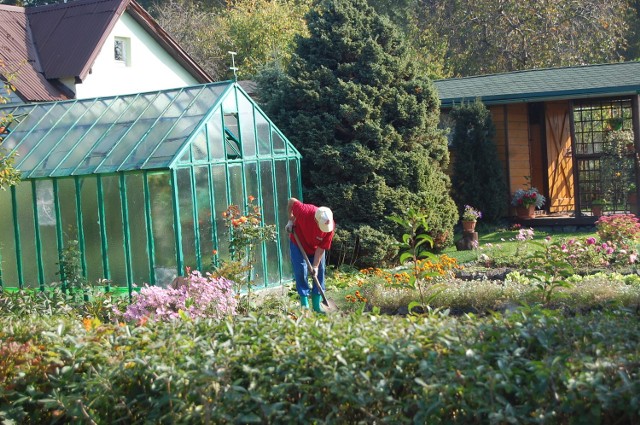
(529,366)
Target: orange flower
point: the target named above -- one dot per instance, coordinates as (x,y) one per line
(251,198)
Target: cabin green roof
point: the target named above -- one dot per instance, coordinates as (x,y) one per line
(537,85)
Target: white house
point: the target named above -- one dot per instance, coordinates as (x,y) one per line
(90,48)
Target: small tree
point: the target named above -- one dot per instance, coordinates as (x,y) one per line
(9,176)
(477,178)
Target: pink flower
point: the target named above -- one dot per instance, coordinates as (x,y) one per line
(591,241)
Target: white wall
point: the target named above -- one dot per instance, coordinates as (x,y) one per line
(149,67)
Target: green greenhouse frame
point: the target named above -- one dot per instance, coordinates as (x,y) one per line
(138,184)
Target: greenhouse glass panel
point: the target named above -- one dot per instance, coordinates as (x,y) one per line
(283,195)
(294,173)
(247,127)
(8,265)
(40,152)
(186,217)
(167,150)
(137,229)
(27,144)
(162,227)
(229,104)
(263,130)
(219,176)
(235,184)
(68,215)
(251,181)
(113,136)
(269,214)
(23,124)
(69,141)
(24,199)
(205,226)
(91,139)
(214,135)
(91,228)
(160,129)
(278,143)
(199,147)
(48,230)
(115,235)
(138,129)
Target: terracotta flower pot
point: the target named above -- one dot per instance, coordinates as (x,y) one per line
(469,226)
(597,210)
(526,213)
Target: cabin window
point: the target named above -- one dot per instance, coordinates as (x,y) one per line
(121,50)
(605,170)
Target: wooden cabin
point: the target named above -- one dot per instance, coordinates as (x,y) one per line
(554,126)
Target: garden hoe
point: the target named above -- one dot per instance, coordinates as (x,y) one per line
(316,282)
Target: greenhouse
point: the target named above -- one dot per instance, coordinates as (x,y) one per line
(137,184)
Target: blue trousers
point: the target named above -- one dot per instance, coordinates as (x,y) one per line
(301,271)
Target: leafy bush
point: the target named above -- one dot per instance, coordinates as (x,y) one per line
(620,229)
(528,366)
(199,296)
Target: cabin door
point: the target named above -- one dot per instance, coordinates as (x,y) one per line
(559,158)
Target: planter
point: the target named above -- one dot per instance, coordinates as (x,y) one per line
(597,210)
(468,226)
(526,213)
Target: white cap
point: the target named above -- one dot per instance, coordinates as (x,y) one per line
(324,218)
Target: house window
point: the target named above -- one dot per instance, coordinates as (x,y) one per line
(121,50)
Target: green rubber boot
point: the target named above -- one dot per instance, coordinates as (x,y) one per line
(304,301)
(315,300)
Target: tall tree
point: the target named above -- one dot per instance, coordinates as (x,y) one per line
(488,36)
(477,175)
(365,120)
(259,31)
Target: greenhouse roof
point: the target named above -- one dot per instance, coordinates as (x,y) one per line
(105,135)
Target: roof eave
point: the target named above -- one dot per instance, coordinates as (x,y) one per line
(544,96)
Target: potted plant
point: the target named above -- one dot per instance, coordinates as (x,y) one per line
(526,201)
(470,216)
(597,206)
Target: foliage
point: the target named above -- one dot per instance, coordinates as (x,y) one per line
(414,247)
(471,214)
(71,267)
(9,175)
(246,232)
(260,31)
(477,175)
(199,297)
(527,197)
(488,36)
(530,363)
(364,118)
(617,169)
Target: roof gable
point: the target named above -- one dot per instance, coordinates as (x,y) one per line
(56,33)
(614,79)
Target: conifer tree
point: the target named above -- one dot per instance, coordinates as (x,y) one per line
(478,179)
(365,120)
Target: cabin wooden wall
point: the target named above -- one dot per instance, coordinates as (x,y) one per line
(512,141)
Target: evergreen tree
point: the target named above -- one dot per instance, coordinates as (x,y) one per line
(478,179)
(365,120)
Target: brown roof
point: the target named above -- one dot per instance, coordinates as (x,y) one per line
(62,41)
(19,56)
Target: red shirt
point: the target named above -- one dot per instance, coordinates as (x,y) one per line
(306,227)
